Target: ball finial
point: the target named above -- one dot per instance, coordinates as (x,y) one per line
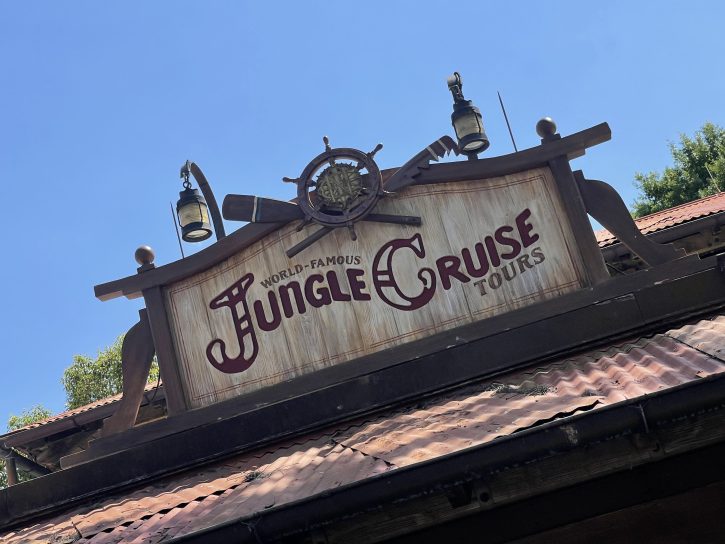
(546,128)
(144,255)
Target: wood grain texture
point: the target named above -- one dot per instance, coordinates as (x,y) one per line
(586,243)
(163,340)
(571,146)
(137,353)
(459,220)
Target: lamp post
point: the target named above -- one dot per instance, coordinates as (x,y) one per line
(193,209)
(467,120)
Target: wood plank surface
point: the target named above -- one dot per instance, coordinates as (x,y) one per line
(485,247)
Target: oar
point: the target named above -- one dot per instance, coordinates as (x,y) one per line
(307,242)
(377,217)
(413,220)
(406,174)
(259,210)
(267,210)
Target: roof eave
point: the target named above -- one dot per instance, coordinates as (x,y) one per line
(637,417)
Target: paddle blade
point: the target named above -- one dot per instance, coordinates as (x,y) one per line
(406,174)
(259,210)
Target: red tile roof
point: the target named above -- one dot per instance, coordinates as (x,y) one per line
(70,414)
(349,453)
(670,217)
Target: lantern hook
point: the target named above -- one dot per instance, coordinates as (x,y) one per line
(185,173)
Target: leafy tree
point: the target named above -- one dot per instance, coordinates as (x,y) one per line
(90,379)
(86,380)
(36,413)
(698,171)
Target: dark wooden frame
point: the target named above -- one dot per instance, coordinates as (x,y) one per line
(625,305)
(577,195)
(565,148)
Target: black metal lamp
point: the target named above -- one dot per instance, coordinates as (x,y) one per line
(192,211)
(467,120)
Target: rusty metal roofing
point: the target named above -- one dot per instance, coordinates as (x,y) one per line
(349,453)
(670,217)
(57,421)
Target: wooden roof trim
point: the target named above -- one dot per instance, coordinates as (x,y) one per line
(571,146)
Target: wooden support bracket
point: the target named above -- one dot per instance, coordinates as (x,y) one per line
(605,205)
(137,353)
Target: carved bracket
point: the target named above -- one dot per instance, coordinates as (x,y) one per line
(137,353)
(605,205)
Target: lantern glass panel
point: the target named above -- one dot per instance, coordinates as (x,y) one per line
(193,212)
(466,125)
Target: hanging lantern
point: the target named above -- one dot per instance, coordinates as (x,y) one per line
(467,120)
(192,212)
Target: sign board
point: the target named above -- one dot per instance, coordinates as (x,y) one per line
(258,318)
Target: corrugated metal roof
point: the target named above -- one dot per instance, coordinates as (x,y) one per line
(345,454)
(670,217)
(70,414)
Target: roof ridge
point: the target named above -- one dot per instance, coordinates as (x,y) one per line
(684,205)
(150,386)
(669,217)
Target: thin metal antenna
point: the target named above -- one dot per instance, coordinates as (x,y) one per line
(503,109)
(717,186)
(176,229)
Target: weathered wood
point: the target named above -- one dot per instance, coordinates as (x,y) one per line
(133,286)
(11,471)
(315,236)
(259,210)
(493,491)
(165,353)
(586,243)
(569,146)
(543,506)
(407,174)
(137,353)
(577,321)
(460,265)
(606,206)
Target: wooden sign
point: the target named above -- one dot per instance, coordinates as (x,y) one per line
(485,247)
(438,246)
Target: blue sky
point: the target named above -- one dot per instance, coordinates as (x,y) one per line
(101,103)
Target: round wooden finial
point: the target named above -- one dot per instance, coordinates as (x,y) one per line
(144,255)
(546,128)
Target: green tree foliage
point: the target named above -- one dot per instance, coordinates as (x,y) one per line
(36,413)
(86,380)
(698,171)
(90,379)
